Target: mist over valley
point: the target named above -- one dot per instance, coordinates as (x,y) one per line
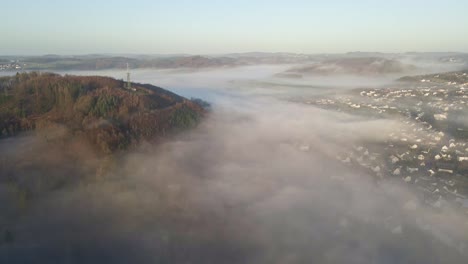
(322,168)
(234,132)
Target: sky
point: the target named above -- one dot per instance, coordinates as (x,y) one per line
(213,27)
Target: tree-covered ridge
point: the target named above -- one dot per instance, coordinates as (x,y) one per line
(98,109)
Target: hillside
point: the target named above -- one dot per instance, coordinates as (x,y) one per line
(98,110)
(349,63)
(354,66)
(457,77)
(176,61)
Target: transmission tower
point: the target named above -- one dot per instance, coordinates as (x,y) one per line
(129,85)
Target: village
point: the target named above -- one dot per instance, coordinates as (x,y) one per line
(428,151)
(11,65)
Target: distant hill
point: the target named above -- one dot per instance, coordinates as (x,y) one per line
(98,110)
(329,62)
(101,62)
(119,62)
(354,66)
(188,62)
(456,77)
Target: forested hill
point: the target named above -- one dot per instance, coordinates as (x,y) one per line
(100,110)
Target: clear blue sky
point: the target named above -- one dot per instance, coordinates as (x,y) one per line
(210,26)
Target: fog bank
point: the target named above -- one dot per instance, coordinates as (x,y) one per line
(257,182)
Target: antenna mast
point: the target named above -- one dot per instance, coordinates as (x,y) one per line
(129,86)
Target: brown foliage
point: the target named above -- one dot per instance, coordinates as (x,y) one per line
(111,117)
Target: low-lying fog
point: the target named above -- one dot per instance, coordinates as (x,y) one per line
(213,83)
(256,182)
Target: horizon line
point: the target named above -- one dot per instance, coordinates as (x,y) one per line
(226,53)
